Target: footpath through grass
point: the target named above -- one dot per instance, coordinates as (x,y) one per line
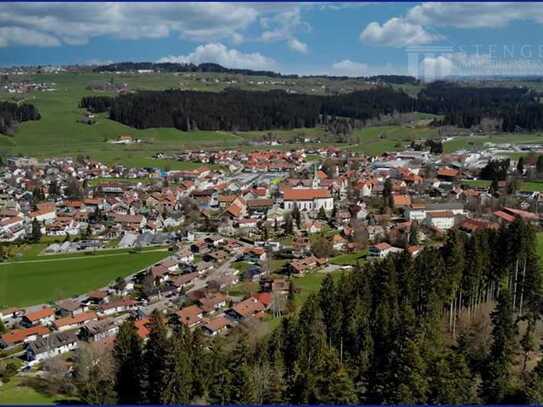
(45,279)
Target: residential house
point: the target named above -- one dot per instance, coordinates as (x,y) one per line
(69,323)
(382,250)
(98,330)
(191,316)
(441,220)
(23,335)
(44,316)
(117,306)
(51,346)
(245,309)
(217,326)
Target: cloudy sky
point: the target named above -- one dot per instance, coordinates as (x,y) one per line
(312,38)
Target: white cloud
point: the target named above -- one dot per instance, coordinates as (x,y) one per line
(349,68)
(10,36)
(474,15)
(77,23)
(397,32)
(297,45)
(220,54)
(285,26)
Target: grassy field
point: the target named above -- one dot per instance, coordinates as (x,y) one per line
(43,279)
(476,142)
(17,393)
(525,186)
(378,140)
(350,259)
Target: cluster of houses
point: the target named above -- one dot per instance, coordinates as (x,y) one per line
(231,220)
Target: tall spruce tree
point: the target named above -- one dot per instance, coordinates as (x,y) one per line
(127,354)
(496,376)
(157,350)
(177,376)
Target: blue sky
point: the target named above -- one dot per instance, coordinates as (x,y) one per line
(343,39)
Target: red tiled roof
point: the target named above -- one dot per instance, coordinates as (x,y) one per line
(37,315)
(248,307)
(190,316)
(142,326)
(19,335)
(504,216)
(447,172)
(78,319)
(401,200)
(305,194)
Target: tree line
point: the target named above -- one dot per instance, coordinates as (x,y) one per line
(235,110)
(96,104)
(209,67)
(13,113)
(383,333)
(504,109)
(513,109)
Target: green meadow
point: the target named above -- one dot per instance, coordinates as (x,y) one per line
(41,279)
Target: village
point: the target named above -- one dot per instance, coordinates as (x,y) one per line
(256,219)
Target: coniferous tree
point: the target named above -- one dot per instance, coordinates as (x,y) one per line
(157,349)
(128,359)
(297,216)
(36,230)
(275,392)
(533,387)
(497,373)
(331,309)
(177,376)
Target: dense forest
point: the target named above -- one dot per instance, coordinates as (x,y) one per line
(242,110)
(401,330)
(513,109)
(499,109)
(13,113)
(96,104)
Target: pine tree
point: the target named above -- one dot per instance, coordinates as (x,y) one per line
(155,359)
(331,309)
(451,381)
(128,359)
(539,165)
(342,389)
(297,216)
(533,387)
(322,214)
(276,390)
(497,374)
(289,227)
(177,376)
(36,231)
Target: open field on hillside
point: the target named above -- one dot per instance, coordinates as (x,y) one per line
(59,133)
(476,142)
(378,140)
(47,278)
(525,186)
